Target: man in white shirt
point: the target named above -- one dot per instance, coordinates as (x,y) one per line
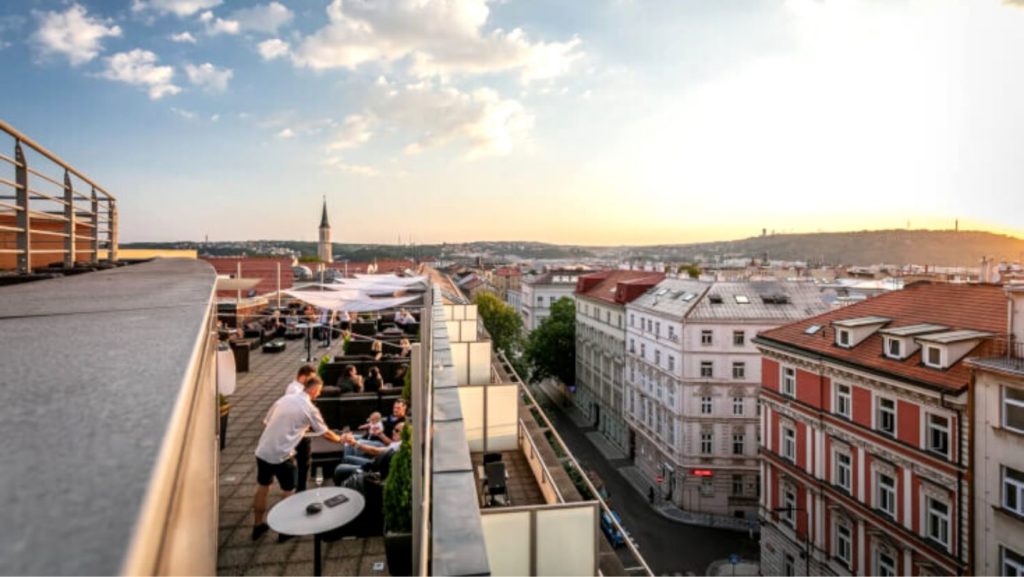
(287,422)
(304,450)
(299,384)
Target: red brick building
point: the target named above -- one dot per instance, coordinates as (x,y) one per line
(864,433)
(263,268)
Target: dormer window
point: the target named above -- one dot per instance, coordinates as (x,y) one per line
(843,338)
(894,348)
(933,357)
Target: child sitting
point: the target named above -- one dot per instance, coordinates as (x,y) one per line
(373,427)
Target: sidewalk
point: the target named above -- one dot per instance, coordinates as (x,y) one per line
(639,481)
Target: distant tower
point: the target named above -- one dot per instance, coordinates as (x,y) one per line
(324,251)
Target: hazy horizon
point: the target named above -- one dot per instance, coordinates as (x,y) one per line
(606,123)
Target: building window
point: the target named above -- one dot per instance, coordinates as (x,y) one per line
(632,346)
(707,487)
(1013,490)
(737,443)
(938,435)
(843,400)
(706,369)
(671,333)
(789,381)
(705,405)
(938,521)
(671,363)
(649,325)
(844,544)
(657,357)
(632,318)
(886,417)
(1013,562)
(788,565)
(1013,409)
(739,370)
(933,357)
(737,485)
(706,442)
(885,565)
(737,405)
(844,471)
(895,350)
(643,351)
(657,328)
(789,506)
(739,338)
(705,337)
(843,338)
(789,443)
(885,494)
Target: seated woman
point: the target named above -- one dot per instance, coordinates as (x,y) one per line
(350,381)
(377,350)
(406,348)
(374,381)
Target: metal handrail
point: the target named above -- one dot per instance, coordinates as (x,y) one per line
(62,223)
(572,459)
(548,478)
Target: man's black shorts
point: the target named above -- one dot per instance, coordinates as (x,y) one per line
(285,472)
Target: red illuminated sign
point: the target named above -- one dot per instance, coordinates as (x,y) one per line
(702,472)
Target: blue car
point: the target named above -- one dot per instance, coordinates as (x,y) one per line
(615,537)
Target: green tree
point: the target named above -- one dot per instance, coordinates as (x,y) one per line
(690,269)
(502,322)
(551,348)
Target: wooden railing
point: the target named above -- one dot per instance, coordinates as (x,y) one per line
(47,207)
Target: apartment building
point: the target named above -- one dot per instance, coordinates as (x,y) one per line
(693,381)
(865,449)
(541,291)
(601,299)
(997,458)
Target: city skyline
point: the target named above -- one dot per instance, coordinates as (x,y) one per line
(626,123)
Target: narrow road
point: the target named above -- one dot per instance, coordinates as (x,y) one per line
(669,547)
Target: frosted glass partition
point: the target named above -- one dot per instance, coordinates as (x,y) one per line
(543,540)
(567,541)
(472,401)
(508,542)
(460,312)
(502,417)
(472,363)
(498,422)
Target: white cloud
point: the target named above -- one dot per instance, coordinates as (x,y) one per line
(180,8)
(356,169)
(72,33)
(353,133)
(265,18)
(214,117)
(186,114)
(215,25)
(480,120)
(209,77)
(286,133)
(273,48)
(138,68)
(183,38)
(442,37)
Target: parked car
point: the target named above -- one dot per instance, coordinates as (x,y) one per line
(615,537)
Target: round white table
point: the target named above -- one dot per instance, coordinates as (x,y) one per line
(290,518)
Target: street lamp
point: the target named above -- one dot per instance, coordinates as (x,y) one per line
(807,533)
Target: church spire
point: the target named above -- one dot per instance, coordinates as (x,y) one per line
(323,219)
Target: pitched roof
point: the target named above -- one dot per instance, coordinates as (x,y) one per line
(323,218)
(771,301)
(617,286)
(679,297)
(977,307)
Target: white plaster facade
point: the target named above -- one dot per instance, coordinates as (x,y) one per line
(600,343)
(693,377)
(539,293)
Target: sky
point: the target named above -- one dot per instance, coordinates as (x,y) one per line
(599,122)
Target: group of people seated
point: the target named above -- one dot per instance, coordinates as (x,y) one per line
(283,451)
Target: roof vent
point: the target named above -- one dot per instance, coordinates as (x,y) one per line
(715,299)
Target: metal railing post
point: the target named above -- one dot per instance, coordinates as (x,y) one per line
(95,243)
(69,222)
(23,217)
(112,211)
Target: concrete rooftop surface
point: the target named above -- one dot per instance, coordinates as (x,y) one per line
(238,554)
(93,366)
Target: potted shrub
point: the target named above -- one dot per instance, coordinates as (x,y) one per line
(398,509)
(225,410)
(324,361)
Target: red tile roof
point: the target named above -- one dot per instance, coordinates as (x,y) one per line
(616,286)
(508,271)
(980,307)
(263,268)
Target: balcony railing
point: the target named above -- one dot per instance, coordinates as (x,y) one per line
(47,207)
(1008,352)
